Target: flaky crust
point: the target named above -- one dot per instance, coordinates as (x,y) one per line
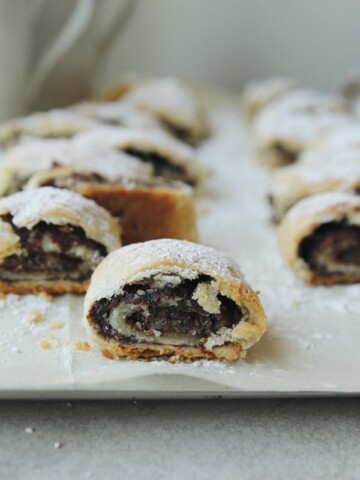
(188,260)
(304,218)
(62,207)
(52,287)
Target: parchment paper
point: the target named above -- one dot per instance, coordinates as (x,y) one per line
(312,343)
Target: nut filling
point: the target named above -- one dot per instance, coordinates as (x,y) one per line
(52,252)
(161,165)
(334,248)
(145,312)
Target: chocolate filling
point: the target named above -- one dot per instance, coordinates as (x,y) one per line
(161,165)
(286,156)
(52,252)
(333,248)
(169,310)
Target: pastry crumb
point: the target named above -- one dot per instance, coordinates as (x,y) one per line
(107,354)
(45,344)
(46,296)
(56,325)
(34,316)
(15,350)
(82,346)
(57,445)
(3,296)
(29,430)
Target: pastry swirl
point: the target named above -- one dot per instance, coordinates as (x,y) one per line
(51,240)
(175,299)
(320,238)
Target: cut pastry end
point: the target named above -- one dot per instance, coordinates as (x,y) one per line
(172,299)
(320,238)
(51,241)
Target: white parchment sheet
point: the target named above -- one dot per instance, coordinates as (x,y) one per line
(312,343)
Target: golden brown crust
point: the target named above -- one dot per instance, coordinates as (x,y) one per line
(185,260)
(230,351)
(147,213)
(52,287)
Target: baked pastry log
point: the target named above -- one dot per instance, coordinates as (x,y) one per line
(320,238)
(170,158)
(175,299)
(51,240)
(149,207)
(176,107)
(259,94)
(289,125)
(59,123)
(334,171)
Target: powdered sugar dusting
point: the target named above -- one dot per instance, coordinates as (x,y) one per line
(62,207)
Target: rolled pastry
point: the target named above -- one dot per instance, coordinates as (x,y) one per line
(170,158)
(289,125)
(51,240)
(259,94)
(149,207)
(339,171)
(320,238)
(117,113)
(59,123)
(175,299)
(168,99)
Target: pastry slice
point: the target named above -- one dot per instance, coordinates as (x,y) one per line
(149,207)
(168,99)
(289,125)
(170,158)
(51,240)
(259,94)
(59,123)
(175,299)
(320,238)
(339,171)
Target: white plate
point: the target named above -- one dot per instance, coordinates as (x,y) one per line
(311,347)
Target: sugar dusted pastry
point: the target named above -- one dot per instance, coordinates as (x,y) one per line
(170,100)
(117,113)
(258,94)
(170,158)
(174,299)
(51,240)
(51,124)
(88,163)
(289,125)
(339,171)
(320,238)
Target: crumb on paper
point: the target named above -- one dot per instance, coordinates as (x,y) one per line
(57,445)
(56,324)
(46,296)
(15,350)
(45,344)
(105,353)
(34,316)
(3,296)
(29,430)
(82,346)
